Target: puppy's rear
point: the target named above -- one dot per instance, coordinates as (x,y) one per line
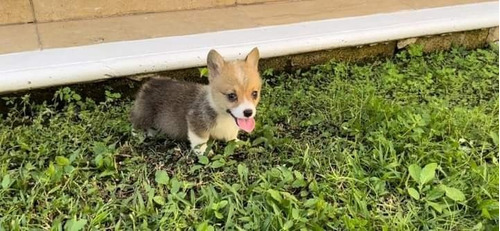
(163,104)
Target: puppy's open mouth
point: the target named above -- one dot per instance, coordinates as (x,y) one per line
(246,124)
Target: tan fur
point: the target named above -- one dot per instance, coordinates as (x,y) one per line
(240,77)
(230,83)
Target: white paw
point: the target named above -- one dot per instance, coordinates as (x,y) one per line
(151,132)
(198,152)
(199,149)
(202,150)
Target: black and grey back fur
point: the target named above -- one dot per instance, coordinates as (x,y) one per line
(167,105)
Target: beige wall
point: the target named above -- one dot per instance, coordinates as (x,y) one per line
(21,11)
(15,11)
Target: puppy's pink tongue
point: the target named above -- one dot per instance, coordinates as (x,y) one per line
(246,125)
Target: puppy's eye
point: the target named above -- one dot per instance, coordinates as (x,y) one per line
(255,94)
(232,97)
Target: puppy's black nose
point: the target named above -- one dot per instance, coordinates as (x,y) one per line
(247,112)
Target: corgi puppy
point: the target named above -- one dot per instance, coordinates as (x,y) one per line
(196,112)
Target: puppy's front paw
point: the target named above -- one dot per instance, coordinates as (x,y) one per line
(200,152)
(202,149)
(198,143)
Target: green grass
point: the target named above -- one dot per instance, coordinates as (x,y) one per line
(409,143)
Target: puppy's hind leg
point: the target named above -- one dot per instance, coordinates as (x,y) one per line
(151,132)
(141,115)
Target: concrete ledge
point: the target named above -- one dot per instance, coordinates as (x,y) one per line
(53,67)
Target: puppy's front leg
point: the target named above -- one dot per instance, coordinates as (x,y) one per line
(234,137)
(198,141)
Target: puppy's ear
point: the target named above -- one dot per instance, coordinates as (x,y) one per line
(215,62)
(252,58)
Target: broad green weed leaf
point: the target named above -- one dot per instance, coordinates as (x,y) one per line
(478,226)
(51,170)
(107,173)
(310,202)
(413,193)
(454,194)
(6,181)
(489,208)
(204,227)
(161,177)
(222,204)
(62,161)
(68,168)
(415,172)
(288,225)
(99,160)
(494,137)
(219,215)
(218,163)
(100,148)
(275,195)
(75,225)
(159,200)
(298,175)
(435,206)
(195,168)
(434,194)
(289,196)
(77,97)
(299,183)
(287,174)
(176,185)
(313,186)
(259,140)
(428,173)
(229,149)
(203,160)
(242,171)
(295,214)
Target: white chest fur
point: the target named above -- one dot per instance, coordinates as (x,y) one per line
(225,128)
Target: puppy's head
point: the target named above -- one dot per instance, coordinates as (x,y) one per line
(235,87)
